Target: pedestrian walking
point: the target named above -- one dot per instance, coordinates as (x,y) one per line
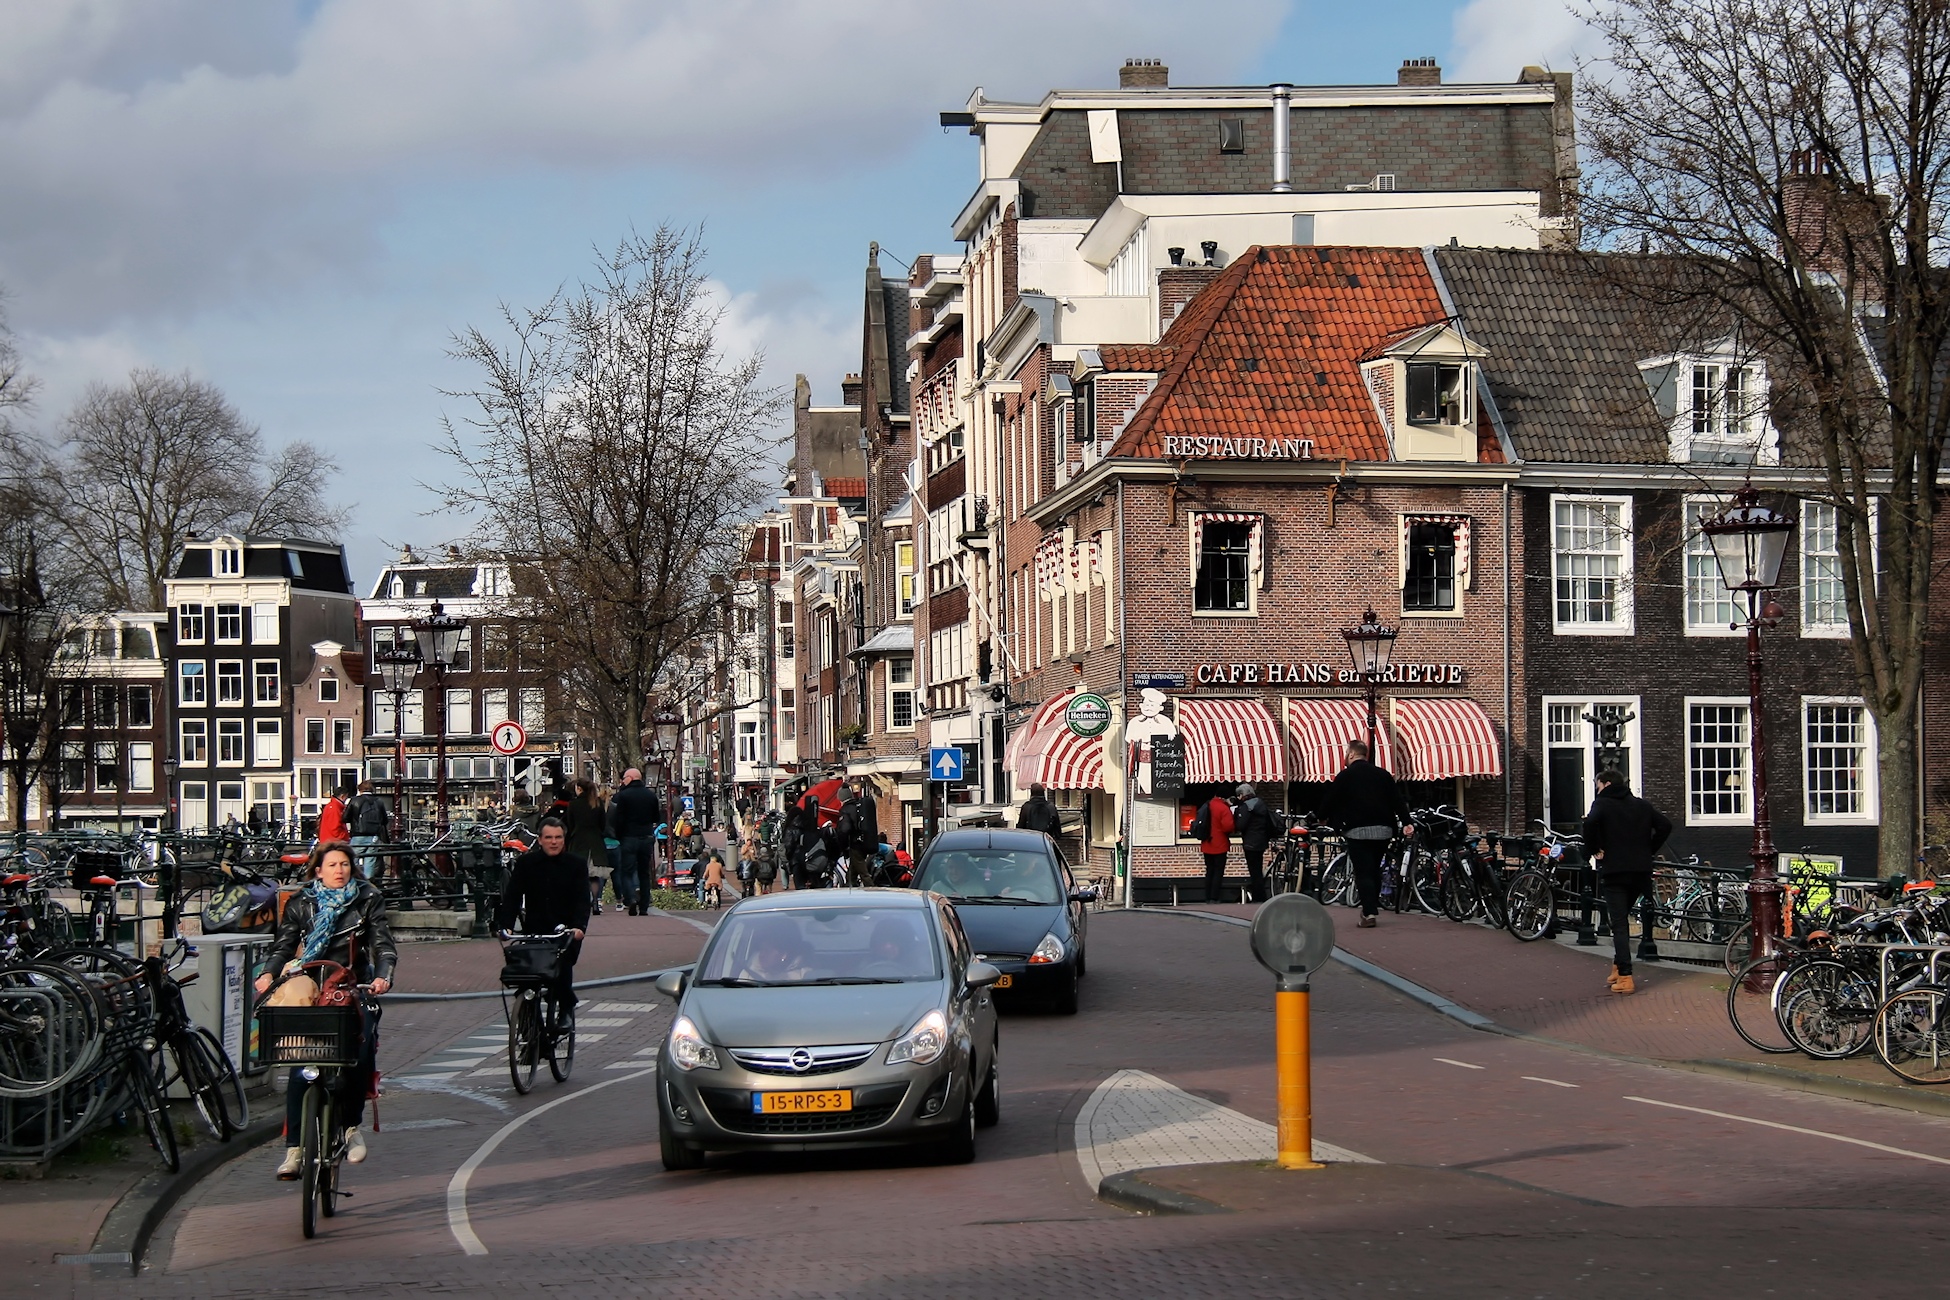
(367,818)
(1253,822)
(1212,828)
(331,818)
(637,814)
(1367,806)
(857,831)
(1038,813)
(1622,834)
(585,819)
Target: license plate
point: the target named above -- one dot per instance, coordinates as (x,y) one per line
(1005,981)
(801,1103)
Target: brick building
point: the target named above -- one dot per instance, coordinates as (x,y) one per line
(112,727)
(328,728)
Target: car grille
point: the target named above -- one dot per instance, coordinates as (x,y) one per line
(1001,956)
(820,1060)
(872,1107)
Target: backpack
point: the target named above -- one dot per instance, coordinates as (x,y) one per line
(1201,827)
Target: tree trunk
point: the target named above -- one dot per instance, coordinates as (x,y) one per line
(1897,794)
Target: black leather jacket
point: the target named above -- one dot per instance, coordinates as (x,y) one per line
(363,919)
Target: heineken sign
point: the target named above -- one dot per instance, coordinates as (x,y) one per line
(1087,715)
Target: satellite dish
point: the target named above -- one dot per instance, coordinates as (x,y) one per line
(1292,936)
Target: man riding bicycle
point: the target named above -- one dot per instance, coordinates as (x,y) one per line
(548,887)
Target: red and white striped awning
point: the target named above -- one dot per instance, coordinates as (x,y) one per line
(1447,738)
(1023,755)
(1318,731)
(1074,762)
(1230,740)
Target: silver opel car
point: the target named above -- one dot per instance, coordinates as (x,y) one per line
(829,1018)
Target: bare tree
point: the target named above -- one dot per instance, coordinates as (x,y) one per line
(162,459)
(1795,154)
(612,452)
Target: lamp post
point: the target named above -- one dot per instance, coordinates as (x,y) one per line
(669,726)
(1749,542)
(397,669)
(169,891)
(1371,645)
(439,637)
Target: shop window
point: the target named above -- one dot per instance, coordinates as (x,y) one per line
(1718,755)
(1591,567)
(1838,761)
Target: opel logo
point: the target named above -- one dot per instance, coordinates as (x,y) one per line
(801,1060)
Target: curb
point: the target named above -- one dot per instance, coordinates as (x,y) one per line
(1129,1191)
(1875,1094)
(136,1215)
(641,977)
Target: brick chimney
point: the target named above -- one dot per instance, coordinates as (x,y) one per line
(1834,231)
(1419,72)
(1177,286)
(1138,74)
(850,391)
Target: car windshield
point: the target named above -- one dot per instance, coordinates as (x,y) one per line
(820,945)
(991,875)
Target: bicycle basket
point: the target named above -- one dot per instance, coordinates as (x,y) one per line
(309,1035)
(530,961)
(89,863)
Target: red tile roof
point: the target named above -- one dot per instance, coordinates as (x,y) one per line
(847,488)
(1272,348)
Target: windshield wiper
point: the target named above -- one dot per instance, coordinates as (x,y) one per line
(735,982)
(854,979)
(999,902)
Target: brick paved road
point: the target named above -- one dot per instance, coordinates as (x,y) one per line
(1496,1150)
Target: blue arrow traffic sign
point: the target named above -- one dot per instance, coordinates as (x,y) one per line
(944,763)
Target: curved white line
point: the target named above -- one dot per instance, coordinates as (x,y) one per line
(457,1221)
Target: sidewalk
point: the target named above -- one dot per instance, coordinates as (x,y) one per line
(1554,991)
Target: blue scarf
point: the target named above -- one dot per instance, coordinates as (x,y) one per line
(327,904)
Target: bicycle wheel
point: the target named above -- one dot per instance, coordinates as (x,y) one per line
(1459,901)
(524,1039)
(1532,905)
(236,1108)
(1738,944)
(310,1128)
(195,1074)
(1429,882)
(562,1048)
(1912,1034)
(155,1113)
(1337,882)
(1832,1022)
(1751,1007)
(1489,892)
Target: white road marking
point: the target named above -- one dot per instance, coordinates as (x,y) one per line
(1464,1064)
(628,1065)
(632,1007)
(453,1090)
(603,1023)
(457,1220)
(1791,1128)
(1555,1083)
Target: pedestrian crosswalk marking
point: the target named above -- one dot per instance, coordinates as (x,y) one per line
(606,1023)
(1464,1064)
(621,1006)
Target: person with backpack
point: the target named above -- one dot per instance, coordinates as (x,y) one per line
(1254,823)
(856,831)
(1367,805)
(1212,828)
(1622,834)
(367,818)
(1038,813)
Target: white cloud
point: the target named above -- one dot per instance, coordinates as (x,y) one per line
(163,156)
(1494,39)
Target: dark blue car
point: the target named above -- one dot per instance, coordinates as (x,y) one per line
(1018,904)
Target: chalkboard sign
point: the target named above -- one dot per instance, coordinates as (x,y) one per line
(1167,767)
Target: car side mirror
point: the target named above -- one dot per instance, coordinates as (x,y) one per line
(981,975)
(1084,894)
(672,983)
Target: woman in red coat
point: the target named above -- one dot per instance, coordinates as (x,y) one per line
(1218,839)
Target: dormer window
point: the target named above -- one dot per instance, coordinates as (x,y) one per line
(1715,408)
(230,561)
(1438,392)
(1424,390)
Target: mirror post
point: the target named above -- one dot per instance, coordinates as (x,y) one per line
(1293,1061)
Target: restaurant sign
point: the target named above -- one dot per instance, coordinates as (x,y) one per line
(1213,448)
(1276,674)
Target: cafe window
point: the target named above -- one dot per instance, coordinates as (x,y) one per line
(1226,562)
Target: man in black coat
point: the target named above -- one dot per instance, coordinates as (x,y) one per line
(549,886)
(858,827)
(1038,813)
(1367,805)
(1253,822)
(1622,834)
(635,812)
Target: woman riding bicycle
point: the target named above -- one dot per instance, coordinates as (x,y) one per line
(337,918)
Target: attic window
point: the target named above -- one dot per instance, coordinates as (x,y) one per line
(230,560)
(1715,405)
(1438,392)
(1232,135)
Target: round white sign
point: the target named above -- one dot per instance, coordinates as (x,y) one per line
(508,737)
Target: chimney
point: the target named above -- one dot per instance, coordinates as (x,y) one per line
(1834,231)
(850,391)
(1139,74)
(1419,72)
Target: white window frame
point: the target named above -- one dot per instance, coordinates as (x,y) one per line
(269,730)
(230,561)
(219,678)
(142,767)
(229,729)
(275,676)
(1622,623)
(1871,812)
(1634,738)
(217,617)
(533,702)
(1810,627)
(314,735)
(413,713)
(342,739)
(264,623)
(1760,438)
(1458,565)
(193,741)
(907,592)
(186,615)
(749,750)
(328,689)
(192,670)
(908,689)
(107,757)
(1194,542)
(494,707)
(460,711)
(1695,552)
(147,695)
(1745,817)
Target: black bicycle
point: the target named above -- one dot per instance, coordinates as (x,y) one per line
(195,1060)
(539,1026)
(321,1043)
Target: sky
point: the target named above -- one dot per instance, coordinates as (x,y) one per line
(302,201)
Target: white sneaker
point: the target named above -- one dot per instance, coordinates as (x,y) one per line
(355,1147)
(294,1159)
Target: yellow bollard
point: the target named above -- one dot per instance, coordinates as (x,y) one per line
(1292,1059)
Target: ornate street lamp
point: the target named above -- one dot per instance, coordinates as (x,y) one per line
(439,636)
(397,669)
(1749,542)
(1371,645)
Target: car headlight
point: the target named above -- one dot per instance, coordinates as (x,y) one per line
(1049,950)
(923,1043)
(688,1048)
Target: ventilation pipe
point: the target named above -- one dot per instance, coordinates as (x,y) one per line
(1282,100)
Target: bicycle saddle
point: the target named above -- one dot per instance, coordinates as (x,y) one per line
(294,859)
(18,878)
(102,882)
